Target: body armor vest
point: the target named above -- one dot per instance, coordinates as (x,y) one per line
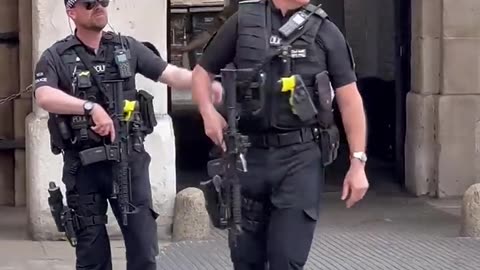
(255,41)
(74,132)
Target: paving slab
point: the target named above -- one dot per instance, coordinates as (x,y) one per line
(385,231)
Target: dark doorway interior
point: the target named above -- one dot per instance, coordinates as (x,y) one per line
(379,33)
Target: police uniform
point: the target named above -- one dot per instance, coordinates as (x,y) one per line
(281,189)
(65,66)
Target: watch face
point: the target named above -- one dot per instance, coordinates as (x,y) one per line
(88,106)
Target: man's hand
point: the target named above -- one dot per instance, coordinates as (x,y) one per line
(103,123)
(217,92)
(355,185)
(214,124)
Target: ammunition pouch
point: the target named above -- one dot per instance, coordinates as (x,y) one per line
(328,133)
(83,135)
(71,132)
(147,111)
(59,133)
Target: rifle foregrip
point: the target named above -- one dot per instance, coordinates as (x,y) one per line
(237,204)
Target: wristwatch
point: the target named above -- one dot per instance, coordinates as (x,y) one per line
(360,156)
(88,107)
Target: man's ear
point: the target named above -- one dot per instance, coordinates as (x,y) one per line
(71,13)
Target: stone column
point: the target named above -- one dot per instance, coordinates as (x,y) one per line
(444,105)
(420,165)
(146,21)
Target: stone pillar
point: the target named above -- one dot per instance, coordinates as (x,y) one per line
(420,164)
(144,20)
(444,105)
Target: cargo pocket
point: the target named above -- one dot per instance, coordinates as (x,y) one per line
(155,215)
(312,213)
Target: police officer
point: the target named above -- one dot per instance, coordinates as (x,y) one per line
(68,82)
(282,186)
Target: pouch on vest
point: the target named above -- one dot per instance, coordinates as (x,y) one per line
(329,137)
(59,133)
(147,111)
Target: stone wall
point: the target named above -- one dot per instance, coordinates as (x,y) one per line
(145,20)
(443,108)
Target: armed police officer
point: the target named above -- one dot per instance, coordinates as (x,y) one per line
(297,58)
(98,122)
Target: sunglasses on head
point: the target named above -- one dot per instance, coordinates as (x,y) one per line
(90,4)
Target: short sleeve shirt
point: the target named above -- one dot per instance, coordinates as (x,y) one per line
(221,49)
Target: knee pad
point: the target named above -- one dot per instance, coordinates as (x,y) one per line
(88,210)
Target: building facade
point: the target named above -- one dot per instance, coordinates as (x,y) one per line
(442,142)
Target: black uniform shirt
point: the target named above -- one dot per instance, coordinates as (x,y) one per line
(221,49)
(143,61)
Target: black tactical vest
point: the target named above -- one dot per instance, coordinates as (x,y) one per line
(106,67)
(69,132)
(255,40)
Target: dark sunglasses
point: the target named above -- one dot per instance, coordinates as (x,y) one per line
(90,4)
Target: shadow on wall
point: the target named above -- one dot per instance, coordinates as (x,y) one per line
(379,102)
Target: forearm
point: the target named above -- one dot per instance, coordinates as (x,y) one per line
(353,117)
(355,126)
(201,89)
(176,77)
(58,102)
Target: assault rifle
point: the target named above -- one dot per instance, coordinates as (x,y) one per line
(121,112)
(224,171)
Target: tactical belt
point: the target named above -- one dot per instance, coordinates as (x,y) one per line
(284,139)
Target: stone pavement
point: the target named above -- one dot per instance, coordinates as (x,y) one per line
(386,231)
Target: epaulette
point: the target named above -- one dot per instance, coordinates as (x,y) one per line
(66,43)
(317,10)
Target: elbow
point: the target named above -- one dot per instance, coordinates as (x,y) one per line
(196,77)
(41,98)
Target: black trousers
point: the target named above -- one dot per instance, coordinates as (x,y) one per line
(140,235)
(281,193)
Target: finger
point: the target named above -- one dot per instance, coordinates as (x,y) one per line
(98,130)
(350,203)
(223,123)
(219,97)
(345,190)
(112,132)
(224,146)
(103,130)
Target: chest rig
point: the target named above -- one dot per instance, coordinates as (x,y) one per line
(290,62)
(97,78)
